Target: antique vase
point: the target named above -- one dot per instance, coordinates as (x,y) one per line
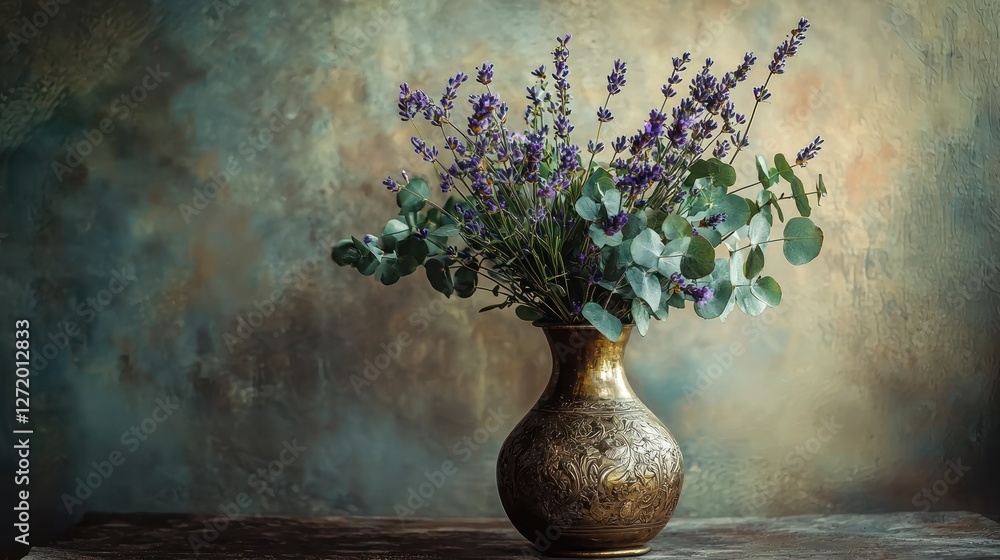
(589,471)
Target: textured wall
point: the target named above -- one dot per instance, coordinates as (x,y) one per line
(888,340)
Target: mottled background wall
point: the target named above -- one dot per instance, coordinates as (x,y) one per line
(890,336)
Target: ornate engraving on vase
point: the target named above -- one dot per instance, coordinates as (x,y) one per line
(604,471)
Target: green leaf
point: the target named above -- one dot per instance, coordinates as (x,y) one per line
(723,172)
(465,282)
(500,305)
(526,313)
(439,276)
(646,286)
(737,212)
(711,234)
(647,248)
(413,248)
(720,172)
(785,170)
(590,189)
(801,198)
(636,223)
(447,230)
(762,175)
(601,239)
(386,272)
(346,253)
(755,263)
(767,290)
(760,229)
(368,264)
(640,316)
(663,311)
(722,292)
(396,229)
(820,189)
(676,300)
(612,201)
(699,259)
(609,325)
(803,241)
(587,208)
(412,196)
(747,302)
(675,227)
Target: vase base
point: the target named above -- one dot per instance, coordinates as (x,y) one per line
(606,553)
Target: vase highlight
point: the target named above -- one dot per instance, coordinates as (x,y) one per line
(589,471)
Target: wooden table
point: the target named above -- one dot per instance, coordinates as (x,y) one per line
(163,537)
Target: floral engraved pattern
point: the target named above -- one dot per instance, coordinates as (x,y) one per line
(591,464)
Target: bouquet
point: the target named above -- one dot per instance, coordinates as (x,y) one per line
(607,233)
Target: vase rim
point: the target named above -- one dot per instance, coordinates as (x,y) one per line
(585,326)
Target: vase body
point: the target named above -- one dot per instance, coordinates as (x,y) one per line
(589,471)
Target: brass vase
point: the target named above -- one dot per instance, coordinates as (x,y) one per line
(589,471)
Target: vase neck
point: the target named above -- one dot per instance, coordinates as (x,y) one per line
(586,365)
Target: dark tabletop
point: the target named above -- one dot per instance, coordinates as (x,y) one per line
(173,537)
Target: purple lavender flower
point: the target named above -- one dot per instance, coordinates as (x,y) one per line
(391,184)
(446,182)
(604,115)
(368,238)
(539,72)
(721,149)
(616,80)
(743,70)
(577,308)
(701,295)
(761,94)
(714,220)
(619,144)
(788,48)
(451,92)
(537,215)
(411,103)
(406,178)
(594,275)
(614,224)
(485,74)
(568,161)
(809,152)
(562,126)
(595,148)
(421,234)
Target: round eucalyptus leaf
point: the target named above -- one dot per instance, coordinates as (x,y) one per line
(767,290)
(346,253)
(803,241)
(386,272)
(439,275)
(647,248)
(413,248)
(612,202)
(608,325)
(699,259)
(760,229)
(646,286)
(640,316)
(465,282)
(722,292)
(526,313)
(755,263)
(737,212)
(747,302)
(412,196)
(675,227)
(587,208)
